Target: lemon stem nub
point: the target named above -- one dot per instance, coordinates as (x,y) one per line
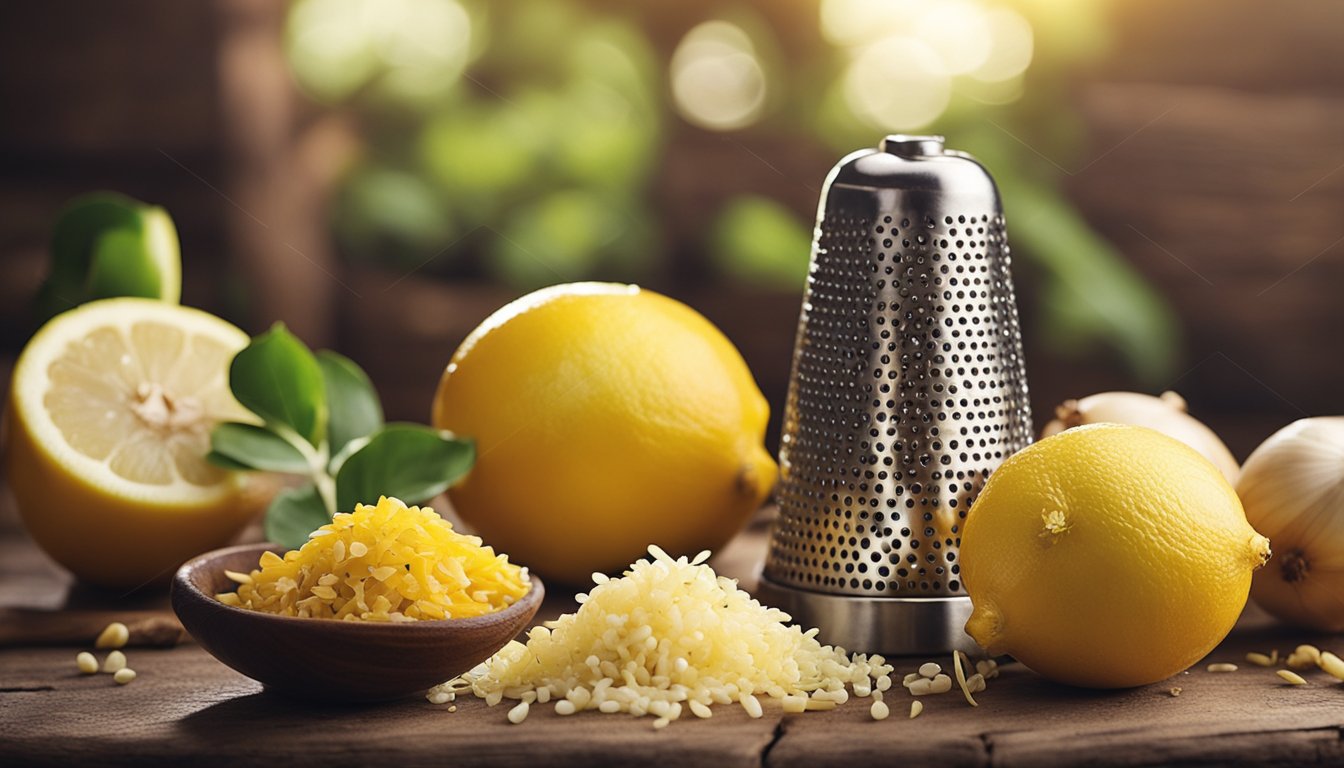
(1260,551)
(985,627)
(1055,523)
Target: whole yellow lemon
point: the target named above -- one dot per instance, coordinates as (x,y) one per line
(606,418)
(1107,556)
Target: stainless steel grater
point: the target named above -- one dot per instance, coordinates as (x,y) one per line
(907,389)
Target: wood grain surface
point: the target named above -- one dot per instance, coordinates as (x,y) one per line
(185,706)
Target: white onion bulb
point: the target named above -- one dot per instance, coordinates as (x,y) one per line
(1293,490)
(1166,414)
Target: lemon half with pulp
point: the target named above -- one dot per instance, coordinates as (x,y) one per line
(110,413)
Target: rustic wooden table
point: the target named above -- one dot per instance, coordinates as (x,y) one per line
(186,707)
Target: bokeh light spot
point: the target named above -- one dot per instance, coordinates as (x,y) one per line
(1011,51)
(717,81)
(855,22)
(408,49)
(898,84)
(958,32)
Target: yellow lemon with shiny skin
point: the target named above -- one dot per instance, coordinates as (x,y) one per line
(606,418)
(110,414)
(1107,556)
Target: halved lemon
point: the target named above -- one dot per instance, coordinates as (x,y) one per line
(110,414)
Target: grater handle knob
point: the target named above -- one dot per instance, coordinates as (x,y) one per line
(902,145)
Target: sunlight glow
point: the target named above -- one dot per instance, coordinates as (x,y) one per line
(717,80)
(907,56)
(898,83)
(1013,42)
(958,32)
(408,49)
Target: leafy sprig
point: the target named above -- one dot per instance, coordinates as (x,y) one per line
(321,419)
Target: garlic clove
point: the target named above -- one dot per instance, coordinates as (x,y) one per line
(1292,489)
(1165,413)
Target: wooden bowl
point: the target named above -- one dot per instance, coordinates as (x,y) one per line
(329,660)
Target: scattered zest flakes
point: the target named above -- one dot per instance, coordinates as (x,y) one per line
(1332,665)
(1304,657)
(751,704)
(237,578)
(1291,678)
(672,637)
(87,664)
(988,668)
(1260,659)
(115,635)
(124,675)
(961,678)
(1222,667)
(976,682)
(916,707)
(1175,691)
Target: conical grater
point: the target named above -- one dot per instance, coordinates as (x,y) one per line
(907,389)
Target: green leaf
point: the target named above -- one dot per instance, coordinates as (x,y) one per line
(224,462)
(257,448)
(278,378)
(293,515)
(761,241)
(106,245)
(352,402)
(414,463)
(1127,314)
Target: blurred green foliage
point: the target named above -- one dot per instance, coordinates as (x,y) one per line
(516,140)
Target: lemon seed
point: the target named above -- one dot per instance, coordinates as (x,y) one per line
(1292,678)
(114,662)
(114,635)
(1332,664)
(1304,657)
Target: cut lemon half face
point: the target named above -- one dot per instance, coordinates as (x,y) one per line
(111,409)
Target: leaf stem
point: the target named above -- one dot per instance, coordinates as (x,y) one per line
(317,464)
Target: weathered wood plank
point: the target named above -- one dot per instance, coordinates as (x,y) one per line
(184,705)
(1229,203)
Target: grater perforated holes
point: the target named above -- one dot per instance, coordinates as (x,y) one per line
(876,363)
